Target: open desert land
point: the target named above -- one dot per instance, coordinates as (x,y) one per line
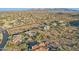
(39,30)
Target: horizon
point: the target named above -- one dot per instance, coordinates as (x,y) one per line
(13,9)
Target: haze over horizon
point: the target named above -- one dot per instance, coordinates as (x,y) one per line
(7,9)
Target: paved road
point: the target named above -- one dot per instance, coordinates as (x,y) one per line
(5,38)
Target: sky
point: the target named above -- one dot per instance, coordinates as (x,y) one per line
(3,9)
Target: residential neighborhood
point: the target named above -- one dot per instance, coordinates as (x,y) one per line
(39,30)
